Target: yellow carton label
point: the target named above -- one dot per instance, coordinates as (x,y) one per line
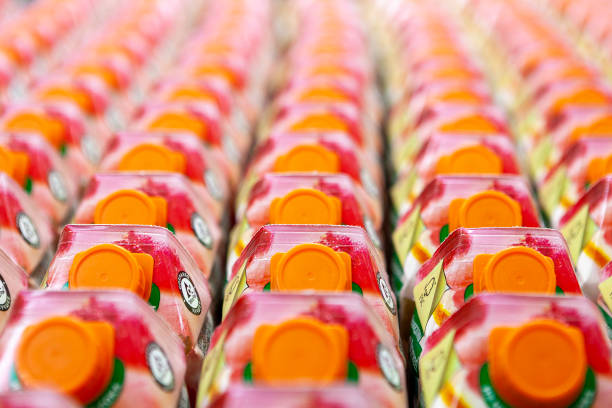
(433,367)
(407,149)
(402,190)
(452,366)
(404,235)
(399,123)
(234,289)
(552,191)
(574,232)
(245,189)
(528,125)
(605,288)
(235,241)
(590,230)
(211,368)
(428,292)
(540,155)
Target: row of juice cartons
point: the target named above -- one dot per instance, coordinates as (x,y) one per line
(309,318)
(467,135)
(152,213)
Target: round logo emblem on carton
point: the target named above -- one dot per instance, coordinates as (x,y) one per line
(190,295)
(159,365)
(27,229)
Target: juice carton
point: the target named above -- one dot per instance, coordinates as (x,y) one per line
(149,262)
(584,164)
(453,153)
(164,199)
(321,91)
(307,118)
(90,96)
(104,348)
(325,152)
(330,68)
(201,119)
(427,67)
(328,91)
(476,260)
(302,199)
(207,169)
(256,199)
(273,397)
(555,98)
(26,235)
(450,202)
(574,73)
(332,340)
(39,169)
(547,148)
(206,89)
(509,350)
(30,33)
(586,228)
(446,118)
(231,69)
(115,70)
(290,258)
(425,95)
(64,127)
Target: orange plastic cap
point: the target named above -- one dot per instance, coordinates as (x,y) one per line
(131,207)
(218,71)
(111,48)
(583,97)
(441,50)
(574,71)
(601,127)
(176,121)
(485,209)
(306,206)
(540,55)
(448,72)
(469,124)
(311,267)
(475,159)
(308,158)
(319,122)
(541,363)
(50,128)
(300,350)
(111,266)
(327,69)
(327,47)
(67,354)
(100,71)
(77,96)
(598,168)
(323,94)
(15,164)
(187,93)
(516,269)
(148,156)
(459,95)
(216,47)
